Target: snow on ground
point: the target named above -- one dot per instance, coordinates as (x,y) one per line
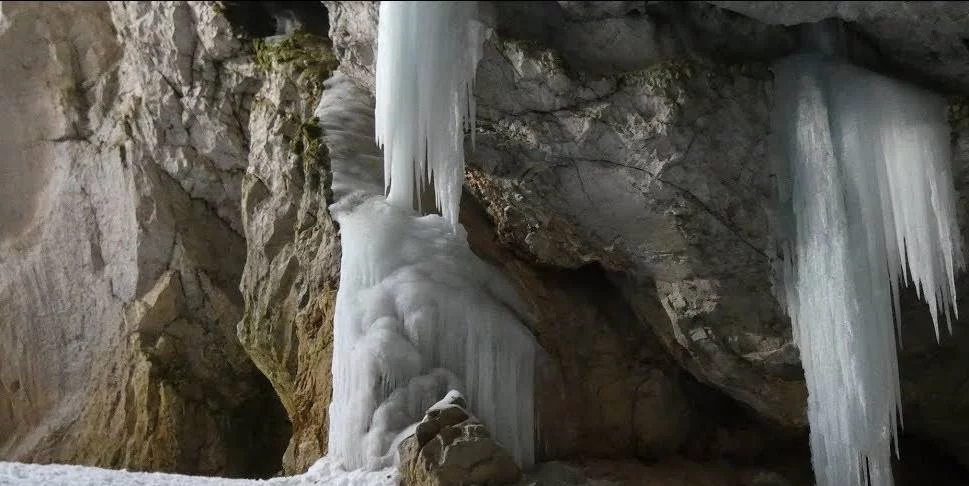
(324,472)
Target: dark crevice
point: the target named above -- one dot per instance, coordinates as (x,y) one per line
(265,19)
(635,13)
(720,427)
(261,431)
(925,462)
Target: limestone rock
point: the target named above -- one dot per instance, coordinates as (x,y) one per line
(605,388)
(451,448)
(120,263)
(353,26)
(165,157)
(659,175)
(292,259)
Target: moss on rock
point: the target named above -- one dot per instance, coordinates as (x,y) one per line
(309,56)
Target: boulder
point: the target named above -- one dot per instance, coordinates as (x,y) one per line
(450,447)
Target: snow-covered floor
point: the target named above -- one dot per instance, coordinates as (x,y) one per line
(323,472)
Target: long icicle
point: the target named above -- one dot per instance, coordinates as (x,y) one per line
(426,60)
(865,181)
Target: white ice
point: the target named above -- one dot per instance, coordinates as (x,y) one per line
(866,190)
(427,53)
(417,315)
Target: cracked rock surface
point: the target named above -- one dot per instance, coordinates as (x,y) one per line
(450,447)
(121,255)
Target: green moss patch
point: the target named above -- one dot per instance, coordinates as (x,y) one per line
(308,55)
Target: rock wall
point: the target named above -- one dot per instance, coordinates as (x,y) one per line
(293,250)
(123,251)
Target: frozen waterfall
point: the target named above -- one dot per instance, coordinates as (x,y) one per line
(867,202)
(417,313)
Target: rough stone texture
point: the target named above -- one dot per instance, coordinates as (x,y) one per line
(661,177)
(353,26)
(293,254)
(119,270)
(658,174)
(614,395)
(452,448)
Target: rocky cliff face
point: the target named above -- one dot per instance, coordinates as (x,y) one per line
(123,250)
(293,254)
(168,266)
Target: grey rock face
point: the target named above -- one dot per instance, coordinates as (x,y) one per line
(292,263)
(118,288)
(353,28)
(156,167)
(565,166)
(659,174)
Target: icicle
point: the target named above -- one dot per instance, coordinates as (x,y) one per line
(865,181)
(426,60)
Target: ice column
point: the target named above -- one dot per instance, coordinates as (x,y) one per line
(866,202)
(417,312)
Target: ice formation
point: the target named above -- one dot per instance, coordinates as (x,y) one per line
(417,313)
(867,197)
(426,59)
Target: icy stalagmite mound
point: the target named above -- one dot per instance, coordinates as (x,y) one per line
(418,314)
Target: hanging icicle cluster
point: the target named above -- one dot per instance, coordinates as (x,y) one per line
(867,196)
(427,53)
(417,312)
